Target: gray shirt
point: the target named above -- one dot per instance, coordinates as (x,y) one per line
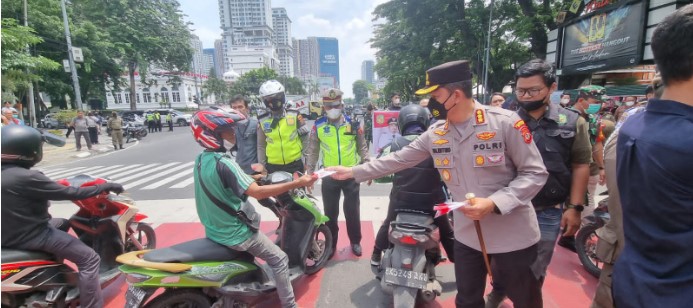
(493,156)
(246,142)
(81,125)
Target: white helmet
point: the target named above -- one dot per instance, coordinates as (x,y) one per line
(272,94)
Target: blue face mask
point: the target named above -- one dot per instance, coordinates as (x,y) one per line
(593,108)
(16,116)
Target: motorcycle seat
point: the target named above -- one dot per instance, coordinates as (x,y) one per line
(199,250)
(409,220)
(15,255)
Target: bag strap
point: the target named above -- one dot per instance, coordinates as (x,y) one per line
(238,214)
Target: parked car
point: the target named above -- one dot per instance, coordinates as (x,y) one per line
(179,118)
(50,121)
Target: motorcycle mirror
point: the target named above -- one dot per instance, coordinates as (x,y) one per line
(52,139)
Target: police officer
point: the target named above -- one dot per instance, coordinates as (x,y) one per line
(115,125)
(279,145)
(150,121)
(169,121)
(562,139)
(341,142)
(488,152)
(157,120)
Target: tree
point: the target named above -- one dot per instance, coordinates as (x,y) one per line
(249,83)
(217,87)
(360,88)
(292,85)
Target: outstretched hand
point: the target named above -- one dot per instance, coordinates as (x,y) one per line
(306,180)
(341,173)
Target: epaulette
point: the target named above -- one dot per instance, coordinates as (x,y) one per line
(320,121)
(263,113)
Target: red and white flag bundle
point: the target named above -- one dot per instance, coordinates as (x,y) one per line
(446,207)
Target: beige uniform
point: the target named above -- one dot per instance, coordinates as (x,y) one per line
(493,156)
(116,126)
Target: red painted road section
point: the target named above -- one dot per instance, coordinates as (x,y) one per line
(568,285)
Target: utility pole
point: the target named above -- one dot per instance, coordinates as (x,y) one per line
(73,68)
(30,103)
(488,51)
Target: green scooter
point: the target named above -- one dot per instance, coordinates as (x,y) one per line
(202,273)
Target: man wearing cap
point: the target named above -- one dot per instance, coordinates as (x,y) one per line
(341,143)
(488,152)
(395,102)
(588,104)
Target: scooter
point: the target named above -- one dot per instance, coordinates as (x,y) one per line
(108,223)
(407,269)
(202,273)
(134,131)
(587,238)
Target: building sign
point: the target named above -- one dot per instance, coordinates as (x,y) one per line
(604,39)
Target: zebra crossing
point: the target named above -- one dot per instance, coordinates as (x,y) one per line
(175,175)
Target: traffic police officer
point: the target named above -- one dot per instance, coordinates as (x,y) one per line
(488,152)
(279,144)
(341,142)
(150,121)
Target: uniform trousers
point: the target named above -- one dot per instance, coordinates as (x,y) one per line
(513,270)
(331,193)
(296,166)
(117,137)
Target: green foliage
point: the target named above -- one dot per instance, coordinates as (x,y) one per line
(217,87)
(65,116)
(293,85)
(249,83)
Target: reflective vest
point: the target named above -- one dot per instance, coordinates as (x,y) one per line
(169,118)
(283,143)
(337,143)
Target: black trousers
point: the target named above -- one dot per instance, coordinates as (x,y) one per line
(93,134)
(447,234)
(512,270)
(290,167)
(331,193)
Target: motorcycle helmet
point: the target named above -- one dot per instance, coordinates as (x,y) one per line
(21,145)
(413,115)
(207,126)
(272,94)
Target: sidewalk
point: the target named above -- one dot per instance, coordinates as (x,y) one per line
(53,155)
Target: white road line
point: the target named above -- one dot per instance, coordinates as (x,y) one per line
(128,167)
(169,179)
(126,179)
(185,183)
(52,170)
(141,167)
(73,172)
(160,174)
(52,174)
(98,172)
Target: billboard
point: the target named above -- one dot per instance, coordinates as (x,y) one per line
(329,57)
(603,40)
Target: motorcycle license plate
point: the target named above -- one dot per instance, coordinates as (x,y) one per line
(134,296)
(402,277)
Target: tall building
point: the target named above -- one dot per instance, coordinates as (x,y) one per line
(329,58)
(367,71)
(244,23)
(209,55)
(282,37)
(219,58)
(307,53)
(317,60)
(245,58)
(197,65)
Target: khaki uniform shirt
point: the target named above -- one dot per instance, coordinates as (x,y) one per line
(115,123)
(493,156)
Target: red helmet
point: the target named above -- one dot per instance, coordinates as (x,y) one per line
(207,126)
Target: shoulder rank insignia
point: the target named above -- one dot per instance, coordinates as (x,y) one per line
(479,116)
(441,142)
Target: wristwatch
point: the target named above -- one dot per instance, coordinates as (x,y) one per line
(577,207)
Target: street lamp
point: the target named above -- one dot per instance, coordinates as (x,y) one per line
(71,58)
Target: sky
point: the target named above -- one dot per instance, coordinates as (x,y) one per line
(349,21)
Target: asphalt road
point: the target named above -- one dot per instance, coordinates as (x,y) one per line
(160,166)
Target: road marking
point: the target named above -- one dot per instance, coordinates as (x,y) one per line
(104,174)
(185,183)
(50,170)
(169,179)
(160,174)
(142,167)
(97,172)
(65,174)
(124,180)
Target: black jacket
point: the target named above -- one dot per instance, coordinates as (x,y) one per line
(25,200)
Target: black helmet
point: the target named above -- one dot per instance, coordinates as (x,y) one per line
(413,114)
(21,145)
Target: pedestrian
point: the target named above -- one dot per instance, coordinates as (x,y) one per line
(115,125)
(279,144)
(7,106)
(562,138)
(169,121)
(93,126)
(497,100)
(12,116)
(654,176)
(80,125)
(491,153)
(70,129)
(338,141)
(628,102)
(395,102)
(565,100)
(157,120)
(246,135)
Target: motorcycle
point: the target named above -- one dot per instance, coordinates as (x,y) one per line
(586,239)
(407,269)
(108,223)
(134,131)
(202,273)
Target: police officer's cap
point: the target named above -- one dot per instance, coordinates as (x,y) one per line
(392,121)
(445,73)
(592,91)
(332,97)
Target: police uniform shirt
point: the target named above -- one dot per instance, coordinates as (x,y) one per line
(493,156)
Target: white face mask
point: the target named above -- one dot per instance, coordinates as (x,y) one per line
(228,145)
(630,103)
(334,114)
(396,101)
(565,101)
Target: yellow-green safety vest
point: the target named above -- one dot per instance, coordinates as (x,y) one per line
(283,143)
(337,143)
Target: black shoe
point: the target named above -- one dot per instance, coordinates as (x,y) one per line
(115,147)
(376,257)
(356,249)
(568,242)
(494,299)
(121,147)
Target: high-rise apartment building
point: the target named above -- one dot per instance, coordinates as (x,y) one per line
(307,53)
(367,73)
(317,60)
(244,23)
(219,58)
(282,39)
(197,65)
(209,56)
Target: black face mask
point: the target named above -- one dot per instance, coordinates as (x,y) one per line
(532,105)
(438,109)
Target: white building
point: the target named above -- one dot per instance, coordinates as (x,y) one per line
(244,23)
(308,58)
(161,92)
(282,38)
(246,58)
